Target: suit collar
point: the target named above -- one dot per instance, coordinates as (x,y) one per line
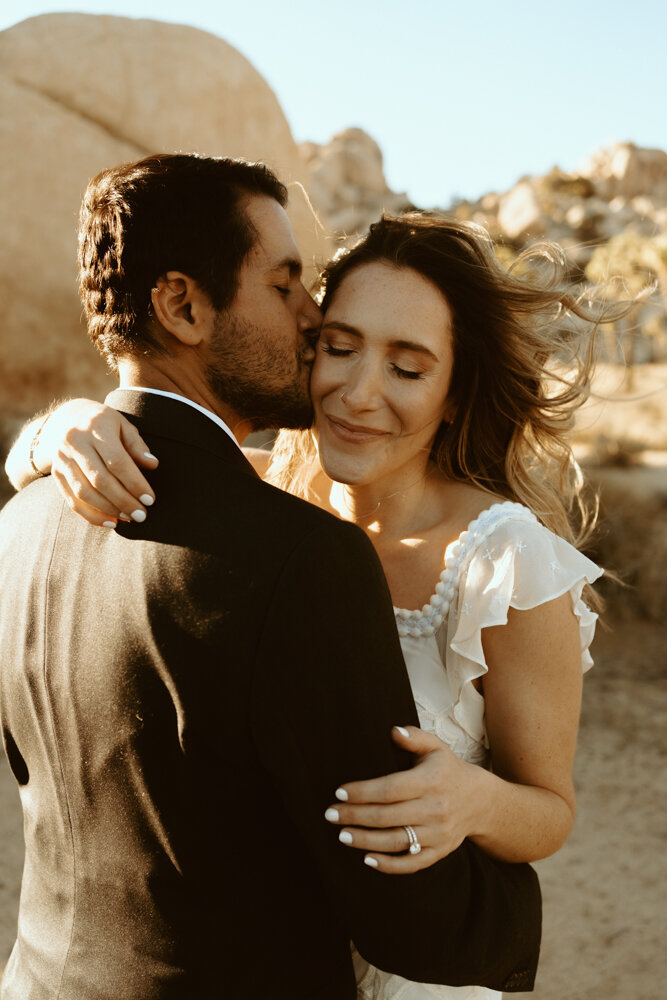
(173,419)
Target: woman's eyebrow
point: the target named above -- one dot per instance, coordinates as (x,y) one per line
(345,327)
(409,345)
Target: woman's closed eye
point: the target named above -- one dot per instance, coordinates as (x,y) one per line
(406,373)
(336,352)
(282,289)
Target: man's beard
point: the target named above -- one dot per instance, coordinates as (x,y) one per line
(263,385)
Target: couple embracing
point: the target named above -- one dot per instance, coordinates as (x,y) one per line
(232,786)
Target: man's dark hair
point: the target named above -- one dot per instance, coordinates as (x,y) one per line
(167,212)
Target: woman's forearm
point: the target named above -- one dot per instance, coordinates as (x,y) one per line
(18,466)
(520,822)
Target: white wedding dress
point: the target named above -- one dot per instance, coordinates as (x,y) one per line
(505,558)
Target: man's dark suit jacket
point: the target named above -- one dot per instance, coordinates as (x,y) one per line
(179,702)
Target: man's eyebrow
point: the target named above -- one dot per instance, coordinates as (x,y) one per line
(292,263)
(402,345)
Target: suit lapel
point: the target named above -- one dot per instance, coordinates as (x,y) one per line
(169,418)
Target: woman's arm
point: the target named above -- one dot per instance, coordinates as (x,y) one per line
(95,455)
(522,811)
(18,466)
(532,696)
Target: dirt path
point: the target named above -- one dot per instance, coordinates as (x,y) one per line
(604,893)
(605,920)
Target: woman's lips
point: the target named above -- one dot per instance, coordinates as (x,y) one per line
(353,432)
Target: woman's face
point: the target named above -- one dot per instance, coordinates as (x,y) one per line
(381,376)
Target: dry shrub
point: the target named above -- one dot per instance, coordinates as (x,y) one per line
(632,541)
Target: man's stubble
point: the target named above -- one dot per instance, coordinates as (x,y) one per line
(264,384)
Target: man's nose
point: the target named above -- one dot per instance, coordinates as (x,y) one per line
(310,315)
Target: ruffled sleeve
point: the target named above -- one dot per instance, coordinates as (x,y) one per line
(516,562)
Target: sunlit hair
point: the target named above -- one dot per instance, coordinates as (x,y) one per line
(523,360)
(170,211)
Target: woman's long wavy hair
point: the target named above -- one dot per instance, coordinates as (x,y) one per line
(524,349)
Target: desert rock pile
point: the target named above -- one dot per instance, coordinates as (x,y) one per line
(347,183)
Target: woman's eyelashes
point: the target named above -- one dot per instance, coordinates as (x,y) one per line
(282,289)
(344,352)
(336,352)
(407,373)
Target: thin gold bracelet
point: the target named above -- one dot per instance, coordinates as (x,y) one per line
(33,445)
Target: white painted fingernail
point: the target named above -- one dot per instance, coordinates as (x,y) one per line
(109,524)
(345,837)
(403,731)
(138,515)
(147,500)
(332,815)
(371,862)
(341,795)
(147,454)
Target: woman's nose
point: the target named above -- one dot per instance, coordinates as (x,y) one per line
(362,389)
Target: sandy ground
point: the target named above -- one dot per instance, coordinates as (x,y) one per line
(605,909)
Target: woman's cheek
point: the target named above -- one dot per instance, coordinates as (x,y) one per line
(323,378)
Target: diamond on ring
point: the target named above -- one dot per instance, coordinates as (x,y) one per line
(414,846)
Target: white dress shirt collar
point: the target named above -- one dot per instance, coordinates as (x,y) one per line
(184,399)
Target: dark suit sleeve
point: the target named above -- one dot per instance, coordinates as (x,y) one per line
(330,684)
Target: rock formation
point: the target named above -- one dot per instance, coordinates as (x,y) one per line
(82,92)
(347,183)
(611,219)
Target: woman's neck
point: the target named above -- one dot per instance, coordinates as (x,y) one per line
(392,509)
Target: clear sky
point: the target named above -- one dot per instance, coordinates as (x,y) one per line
(463,97)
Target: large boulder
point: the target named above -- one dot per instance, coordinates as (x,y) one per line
(79,93)
(347,182)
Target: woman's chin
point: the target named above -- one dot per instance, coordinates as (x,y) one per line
(341,472)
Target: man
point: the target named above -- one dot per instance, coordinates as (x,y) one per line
(180,698)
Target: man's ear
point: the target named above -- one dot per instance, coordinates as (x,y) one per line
(182,308)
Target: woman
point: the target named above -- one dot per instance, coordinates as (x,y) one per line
(440,430)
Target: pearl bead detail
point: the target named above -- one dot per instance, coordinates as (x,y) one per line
(424,623)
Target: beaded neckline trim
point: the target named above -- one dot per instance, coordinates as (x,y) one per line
(428,620)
